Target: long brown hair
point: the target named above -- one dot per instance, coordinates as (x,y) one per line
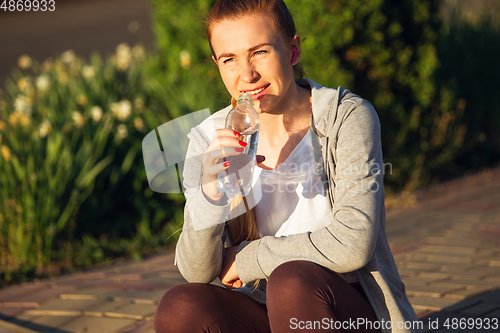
(244,226)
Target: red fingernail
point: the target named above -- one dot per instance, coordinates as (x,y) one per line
(239,150)
(243,143)
(226,164)
(236,134)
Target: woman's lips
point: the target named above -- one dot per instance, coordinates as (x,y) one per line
(262,93)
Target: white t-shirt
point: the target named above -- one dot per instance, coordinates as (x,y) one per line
(293,197)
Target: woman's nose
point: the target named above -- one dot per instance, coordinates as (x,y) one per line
(248,72)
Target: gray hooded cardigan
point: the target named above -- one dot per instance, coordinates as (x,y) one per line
(348,141)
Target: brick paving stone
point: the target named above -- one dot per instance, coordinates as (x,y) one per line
(41,296)
(447,249)
(124,276)
(135,285)
(418,280)
(485,271)
(493,296)
(435,275)
(464,226)
(69,305)
(481,308)
(143,326)
(161,281)
(493,314)
(143,310)
(46,321)
(430,291)
(456,269)
(495,279)
(462,283)
(154,295)
(456,234)
(422,266)
(8,327)
(430,303)
(473,242)
(15,292)
(98,325)
(105,306)
(459,306)
(11,312)
(467,292)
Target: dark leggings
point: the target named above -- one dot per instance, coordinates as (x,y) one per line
(298,294)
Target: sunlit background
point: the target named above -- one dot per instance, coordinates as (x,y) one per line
(82,86)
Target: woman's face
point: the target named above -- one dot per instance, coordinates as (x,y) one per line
(252,57)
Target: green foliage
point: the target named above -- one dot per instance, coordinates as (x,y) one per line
(183,62)
(73,186)
(386,52)
(471,63)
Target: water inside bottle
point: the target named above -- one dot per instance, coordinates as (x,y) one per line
(237,179)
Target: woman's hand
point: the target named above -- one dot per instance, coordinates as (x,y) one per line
(228,274)
(225,143)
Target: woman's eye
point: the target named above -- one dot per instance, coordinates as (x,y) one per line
(260,52)
(228,60)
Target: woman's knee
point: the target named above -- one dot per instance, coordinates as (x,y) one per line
(180,305)
(293,275)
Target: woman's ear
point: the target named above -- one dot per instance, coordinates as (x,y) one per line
(295,50)
(294,54)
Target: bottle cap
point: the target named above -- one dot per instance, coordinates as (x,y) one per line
(245,97)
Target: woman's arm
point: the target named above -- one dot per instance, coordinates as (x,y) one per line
(200,248)
(348,242)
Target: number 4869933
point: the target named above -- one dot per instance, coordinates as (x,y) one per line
(28,5)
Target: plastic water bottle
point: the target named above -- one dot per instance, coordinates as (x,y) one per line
(237,179)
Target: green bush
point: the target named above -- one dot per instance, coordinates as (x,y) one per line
(386,52)
(73,186)
(471,63)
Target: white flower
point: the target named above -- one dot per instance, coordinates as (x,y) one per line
(43,83)
(78,119)
(68,57)
(5,151)
(24,62)
(139,124)
(122,131)
(139,103)
(185,59)
(24,84)
(82,100)
(139,52)
(121,110)
(123,57)
(45,129)
(88,72)
(121,134)
(47,65)
(96,113)
(22,104)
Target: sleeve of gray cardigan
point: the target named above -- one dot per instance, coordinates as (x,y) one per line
(199,251)
(348,242)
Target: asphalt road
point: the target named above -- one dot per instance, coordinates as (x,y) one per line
(83,26)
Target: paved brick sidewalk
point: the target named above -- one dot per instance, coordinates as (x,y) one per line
(446,246)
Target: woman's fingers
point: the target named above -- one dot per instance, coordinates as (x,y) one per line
(225,143)
(225,132)
(214,156)
(219,167)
